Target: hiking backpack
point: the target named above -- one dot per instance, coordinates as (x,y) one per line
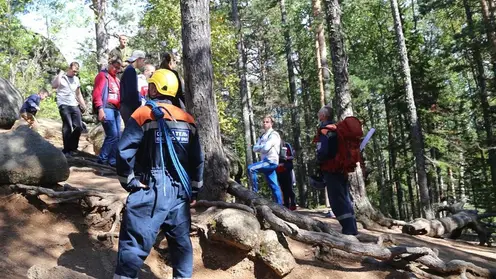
(282,152)
(349,133)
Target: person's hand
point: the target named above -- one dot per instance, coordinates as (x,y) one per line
(143,186)
(82,108)
(192,203)
(101,115)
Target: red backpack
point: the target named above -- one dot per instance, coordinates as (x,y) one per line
(349,132)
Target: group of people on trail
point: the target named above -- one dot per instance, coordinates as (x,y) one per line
(158,157)
(276,163)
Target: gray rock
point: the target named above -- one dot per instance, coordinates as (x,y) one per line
(96,136)
(11,102)
(57,272)
(274,255)
(27,158)
(236,228)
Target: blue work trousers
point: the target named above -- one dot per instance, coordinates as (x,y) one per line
(148,211)
(338,190)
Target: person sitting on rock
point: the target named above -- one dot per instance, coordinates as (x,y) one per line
(31,106)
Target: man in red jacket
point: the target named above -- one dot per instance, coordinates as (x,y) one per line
(106,101)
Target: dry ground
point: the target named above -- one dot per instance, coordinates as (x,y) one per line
(59,236)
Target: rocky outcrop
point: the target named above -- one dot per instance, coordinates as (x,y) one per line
(27,158)
(11,102)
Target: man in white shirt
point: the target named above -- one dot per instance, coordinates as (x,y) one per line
(70,103)
(268,145)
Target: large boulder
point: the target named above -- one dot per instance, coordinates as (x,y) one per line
(10,103)
(27,158)
(236,228)
(96,136)
(274,254)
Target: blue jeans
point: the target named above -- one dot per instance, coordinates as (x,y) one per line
(269,170)
(338,190)
(112,128)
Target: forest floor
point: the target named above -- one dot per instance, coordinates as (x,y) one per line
(60,236)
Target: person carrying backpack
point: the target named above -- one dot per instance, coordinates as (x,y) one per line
(285,174)
(336,157)
(268,145)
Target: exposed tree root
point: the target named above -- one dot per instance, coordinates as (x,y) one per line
(223,204)
(109,205)
(317,233)
(420,261)
(452,226)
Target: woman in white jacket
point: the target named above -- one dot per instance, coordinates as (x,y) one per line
(268,145)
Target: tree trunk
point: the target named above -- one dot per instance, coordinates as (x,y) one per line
(461,178)
(483,95)
(100,10)
(343,103)
(486,16)
(321,50)
(416,131)
(243,84)
(295,120)
(200,98)
(378,158)
(415,210)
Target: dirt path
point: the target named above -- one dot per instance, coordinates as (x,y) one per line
(60,237)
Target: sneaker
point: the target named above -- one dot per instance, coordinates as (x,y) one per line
(67,154)
(292,208)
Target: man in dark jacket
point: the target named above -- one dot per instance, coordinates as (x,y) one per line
(31,106)
(160,162)
(338,188)
(130,92)
(285,175)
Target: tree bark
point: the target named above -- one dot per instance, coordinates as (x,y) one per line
(483,94)
(378,158)
(343,103)
(243,84)
(295,120)
(321,49)
(416,130)
(200,98)
(491,36)
(321,53)
(100,10)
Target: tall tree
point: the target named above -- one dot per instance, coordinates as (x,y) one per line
(416,131)
(243,84)
(295,120)
(321,53)
(200,98)
(483,94)
(99,8)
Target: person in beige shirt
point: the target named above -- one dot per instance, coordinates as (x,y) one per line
(122,51)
